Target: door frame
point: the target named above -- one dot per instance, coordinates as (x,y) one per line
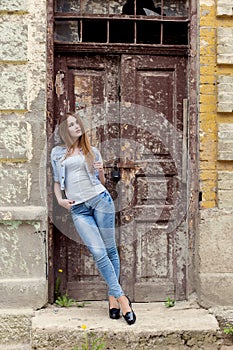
(192,145)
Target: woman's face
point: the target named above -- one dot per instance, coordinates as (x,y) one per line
(73,127)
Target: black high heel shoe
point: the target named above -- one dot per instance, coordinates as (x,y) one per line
(114,313)
(130,316)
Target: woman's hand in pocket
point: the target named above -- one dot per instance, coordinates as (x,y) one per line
(66,203)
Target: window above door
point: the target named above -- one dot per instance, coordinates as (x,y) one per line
(130,22)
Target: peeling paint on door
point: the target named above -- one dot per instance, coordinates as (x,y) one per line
(59,84)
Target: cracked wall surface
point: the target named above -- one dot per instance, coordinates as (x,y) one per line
(23,217)
(215,238)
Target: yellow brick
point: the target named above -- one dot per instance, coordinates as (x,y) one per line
(207,49)
(208,108)
(208,117)
(208,103)
(207,16)
(208,146)
(206,164)
(208,185)
(209,196)
(207,40)
(208,189)
(208,59)
(207,32)
(208,99)
(224,70)
(208,156)
(210,79)
(208,139)
(207,21)
(225,165)
(208,204)
(227,22)
(208,69)
(208,89)
(208,128)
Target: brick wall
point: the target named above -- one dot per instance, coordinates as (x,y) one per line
(216,95)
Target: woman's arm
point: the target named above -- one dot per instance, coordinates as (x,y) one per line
(65,203)
(99,166)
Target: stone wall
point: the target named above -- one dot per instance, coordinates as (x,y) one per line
(22,167)
(215,239)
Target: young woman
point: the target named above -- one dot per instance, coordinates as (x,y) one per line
(78,169)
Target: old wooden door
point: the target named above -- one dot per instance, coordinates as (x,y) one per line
(133,107)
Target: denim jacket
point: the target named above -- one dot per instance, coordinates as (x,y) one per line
(59,168)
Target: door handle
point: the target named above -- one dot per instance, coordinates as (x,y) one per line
(116,173)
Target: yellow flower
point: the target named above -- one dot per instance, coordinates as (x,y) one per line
(83,326)
(60,270)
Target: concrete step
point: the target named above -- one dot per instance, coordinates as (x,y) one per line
(184,326)
(15,331)
(16,347)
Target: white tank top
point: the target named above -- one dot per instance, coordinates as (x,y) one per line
(78,186)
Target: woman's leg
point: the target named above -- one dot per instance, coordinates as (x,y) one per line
(89,232)
(86,225)
(104,215)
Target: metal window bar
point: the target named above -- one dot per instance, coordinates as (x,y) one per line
(108,33)
(81,31)
(161,24)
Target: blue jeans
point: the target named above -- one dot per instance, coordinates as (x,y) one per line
(95,222)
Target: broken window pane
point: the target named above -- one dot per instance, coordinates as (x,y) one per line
(115,7)
(92,25)
(66,31)
(177,8)
(121,31)
(67,6)
(175,33)
(148,32)
(94,31)
(99,7)
(143,7)
(156,8)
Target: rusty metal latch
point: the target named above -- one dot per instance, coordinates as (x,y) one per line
(115,173)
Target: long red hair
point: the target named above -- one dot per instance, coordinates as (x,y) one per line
(83,141)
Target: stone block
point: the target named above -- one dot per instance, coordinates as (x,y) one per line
(225,181)
(216,242)
(22,250)
(15,327)
(225,190)
(215,289)
(13,92)
(225,45)
(225,199)
(15,140)
(14,36)
(15,186)
(13,5)
(225,141)
(224,7)
(225,93)
(25,213)
(23,293)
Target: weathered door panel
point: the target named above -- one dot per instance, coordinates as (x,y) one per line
(87,83)
(121,97)
(152,87)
